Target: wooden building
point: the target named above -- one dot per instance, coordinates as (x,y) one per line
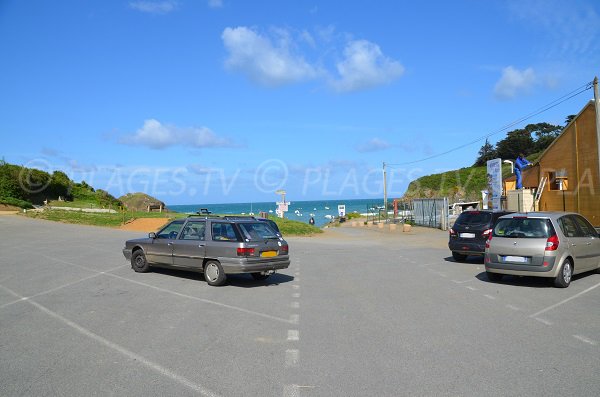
(570,166)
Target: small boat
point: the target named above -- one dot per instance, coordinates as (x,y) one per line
(326,208)
(270,211)
(329,216)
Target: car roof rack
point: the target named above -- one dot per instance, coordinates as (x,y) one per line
(239,217)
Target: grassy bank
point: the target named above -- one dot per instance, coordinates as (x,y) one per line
(288,227)
(95,219)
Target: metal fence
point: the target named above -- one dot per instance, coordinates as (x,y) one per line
(431,212)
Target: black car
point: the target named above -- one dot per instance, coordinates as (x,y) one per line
(470,232)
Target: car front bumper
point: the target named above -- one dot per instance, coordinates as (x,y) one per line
(127,253)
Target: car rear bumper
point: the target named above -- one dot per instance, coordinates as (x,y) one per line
(521,270)
(467,247)
(247,265)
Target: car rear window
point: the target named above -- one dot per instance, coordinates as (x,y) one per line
(257,231)
(474,218)
(523,228)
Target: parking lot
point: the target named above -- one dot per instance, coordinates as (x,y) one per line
(359,312)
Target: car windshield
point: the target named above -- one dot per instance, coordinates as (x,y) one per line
(523,228)
(257,231)
(474,218)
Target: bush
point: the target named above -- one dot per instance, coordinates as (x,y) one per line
(16,202)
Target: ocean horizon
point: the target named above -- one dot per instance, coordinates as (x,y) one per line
(321,210)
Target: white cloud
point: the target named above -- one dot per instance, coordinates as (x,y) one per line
(373,145)
(365,67)
(154,7)
(215,3)
(156,135)
(514,82)
(263,61)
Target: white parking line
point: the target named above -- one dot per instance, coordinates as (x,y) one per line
(294,318)
(489,296)
(60,287)
(462,282)
(543,321)
(291,357)
(293,335)
(239,309)
(128,353)
(585,340)
(290,391)
(515,308)
(564,301)
(296,295)
(295,286)
(471,288)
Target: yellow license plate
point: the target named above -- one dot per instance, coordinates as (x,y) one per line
(268,254)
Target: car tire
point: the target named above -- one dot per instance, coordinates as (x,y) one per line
(260,276)
(494,277)
(138,262)
(459,257)
(214,274)
(565,274)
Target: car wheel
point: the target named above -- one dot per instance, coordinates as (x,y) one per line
(458,257)
(214,274)
(563,279)
(494,277)
(260,276)
(139,263)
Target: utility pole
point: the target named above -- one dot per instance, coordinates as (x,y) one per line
(384,191)
(597,106)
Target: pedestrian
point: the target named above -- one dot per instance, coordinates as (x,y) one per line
(520,165)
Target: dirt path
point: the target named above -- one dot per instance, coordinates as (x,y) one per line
(145,224)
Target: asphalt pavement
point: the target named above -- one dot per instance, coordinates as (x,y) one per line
(360,312)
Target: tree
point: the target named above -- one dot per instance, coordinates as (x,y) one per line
(516,141)
(569,118)
(487,152)
(545,134)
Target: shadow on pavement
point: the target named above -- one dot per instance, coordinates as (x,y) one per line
(234,280)
(475,259)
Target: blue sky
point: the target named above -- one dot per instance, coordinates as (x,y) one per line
(210,101)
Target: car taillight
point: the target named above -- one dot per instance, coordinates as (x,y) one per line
(486,233)
(487,242)
(552,243)
(284,249)
(245,251)
(452,232)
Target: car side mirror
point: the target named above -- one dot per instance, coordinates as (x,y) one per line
(152,235)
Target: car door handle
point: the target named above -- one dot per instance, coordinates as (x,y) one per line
(169,244)
(201,245)
(589,244)
(573,245)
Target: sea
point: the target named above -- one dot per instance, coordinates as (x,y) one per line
(323,211)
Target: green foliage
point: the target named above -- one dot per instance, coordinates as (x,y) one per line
(15,202)
(353,215)
(9,185)
(289,227)
(531,139)
(462,184)
(487,152)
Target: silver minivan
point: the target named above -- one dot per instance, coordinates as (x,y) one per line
(556,245)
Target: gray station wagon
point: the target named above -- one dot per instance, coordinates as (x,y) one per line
(214,246)
(544,244)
